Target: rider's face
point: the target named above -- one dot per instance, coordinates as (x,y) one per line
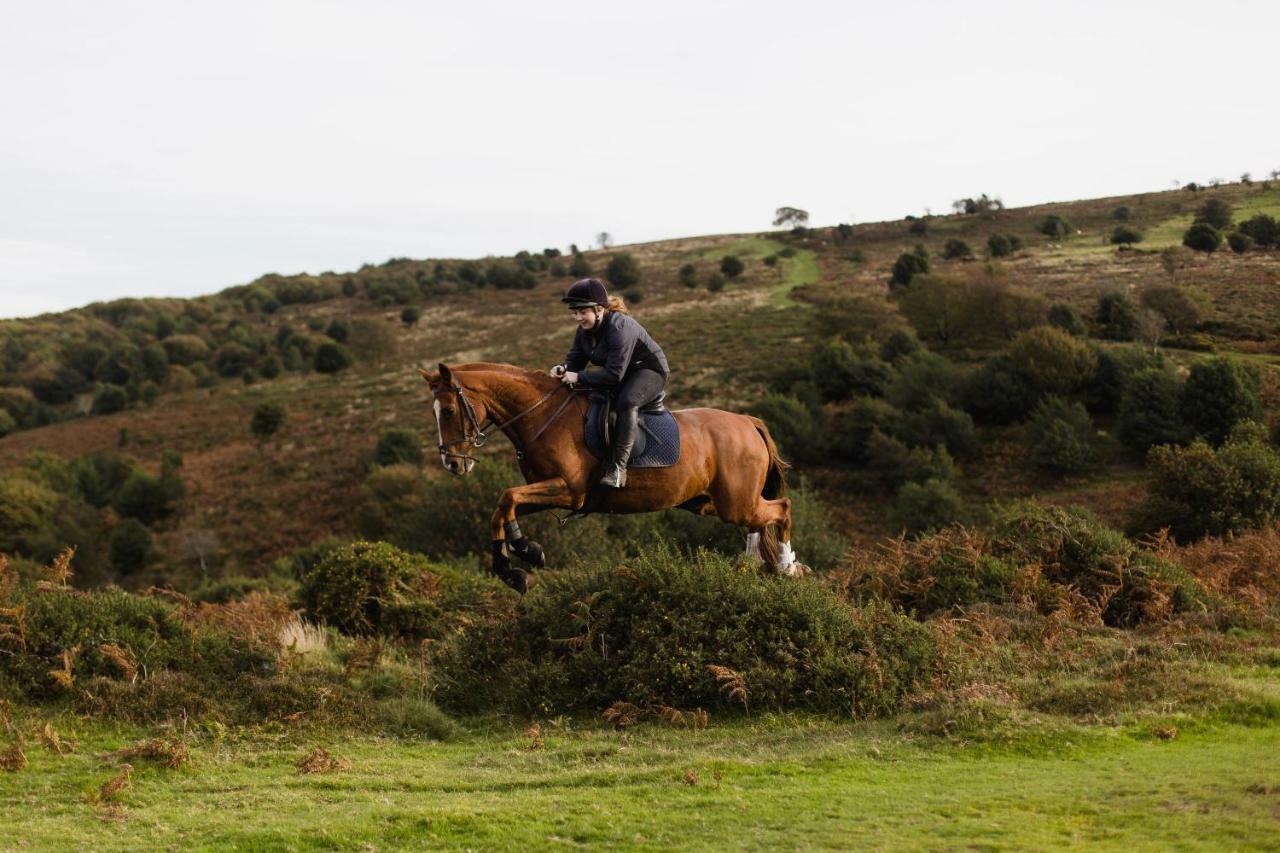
(585,317)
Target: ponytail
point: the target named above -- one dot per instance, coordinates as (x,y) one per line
(616,304)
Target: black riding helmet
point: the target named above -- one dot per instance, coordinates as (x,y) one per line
(586,293)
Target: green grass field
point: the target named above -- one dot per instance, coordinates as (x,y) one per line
(790,782)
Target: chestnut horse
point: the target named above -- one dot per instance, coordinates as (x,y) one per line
(729,466)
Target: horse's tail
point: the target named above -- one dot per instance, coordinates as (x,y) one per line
(775,486)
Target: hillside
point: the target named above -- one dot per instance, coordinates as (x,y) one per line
(247,504)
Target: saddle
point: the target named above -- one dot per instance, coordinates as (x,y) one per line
(657,441)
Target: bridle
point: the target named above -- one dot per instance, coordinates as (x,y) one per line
(480,433)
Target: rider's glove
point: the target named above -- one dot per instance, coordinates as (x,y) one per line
(558,371)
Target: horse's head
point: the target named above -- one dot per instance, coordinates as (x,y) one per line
(459,416)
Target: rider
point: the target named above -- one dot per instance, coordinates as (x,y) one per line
(630,364)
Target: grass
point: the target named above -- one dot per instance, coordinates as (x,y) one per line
(777,781)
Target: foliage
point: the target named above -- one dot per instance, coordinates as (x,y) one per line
(1123,235)
(926,507)
(1065,318)
(1060,434)
(1122,213)
(1216,213)
(936,423)
(1263,229)
(1239,242)
(398,446)
(731,267)
(705,631)
(131,546)
(955,249)
(1117,316)
(580,267)
(1181,307)
(906,267)
(368,588)
(1218,394)
(1150,410)
(793,216)
(1053,360)
(267,420)
(998,246)
(332,357)
(1202,237)
(715,282)
(792,424)
(898,345)
(999,392)
(1201,491)
(1054,227)
(689,275)
(622,270)
(839,372)
(411,315)
(109,398)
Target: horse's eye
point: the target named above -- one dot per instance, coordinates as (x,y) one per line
(450,411)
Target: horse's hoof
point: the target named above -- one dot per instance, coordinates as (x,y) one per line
(796,570)
(530,552)
(518,579)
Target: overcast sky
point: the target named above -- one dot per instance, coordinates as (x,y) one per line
(177,148)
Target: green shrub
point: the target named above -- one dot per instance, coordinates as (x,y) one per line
(232,359)
(1216,213)
(793,425)
(900,344)
(925,507)
(1053,360)
(892,463)
(1117,316)
(998,246)
(353,586)
(267,420)
(715,282)
(1199,491)
(7,423)
(332,357)
(1065,318)
(839,372)
(1219,393)
(398,447)
(1150,410)
(655,631)
(1181,307)
(131,546)
(689,275)
(906,267)
(923,377)
(579,267)
(1054,227)
(955,249)
(108,399)
(1121,214)
(339,330)
(622,271)
(998,392)
(937,423)
(1239,242)
(1202,237)
(410,315)
(1123,235)
(731,266)
(1262,229)
(1061,436)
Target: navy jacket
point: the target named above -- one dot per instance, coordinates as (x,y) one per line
(618,344)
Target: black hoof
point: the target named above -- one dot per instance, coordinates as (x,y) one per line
(530,552)
(518,579)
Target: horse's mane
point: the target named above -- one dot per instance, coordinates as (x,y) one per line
(538,378)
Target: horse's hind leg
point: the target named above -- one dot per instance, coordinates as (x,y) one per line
(777,554)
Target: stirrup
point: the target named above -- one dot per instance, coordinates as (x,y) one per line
(615,477)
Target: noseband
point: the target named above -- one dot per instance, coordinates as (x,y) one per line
(480,434)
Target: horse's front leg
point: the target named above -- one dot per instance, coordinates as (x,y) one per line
(505,530)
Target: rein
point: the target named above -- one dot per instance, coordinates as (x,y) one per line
(480,434)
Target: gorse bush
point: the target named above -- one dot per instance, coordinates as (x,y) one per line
(1218,394)
(669,630)
(926,506)
(1054,361)
(1202,237)
(1123,235)
(1216,213)
(398,447)
(1150,411)
(1061,436)
(1054,227)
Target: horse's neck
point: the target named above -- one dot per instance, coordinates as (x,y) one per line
(508,394)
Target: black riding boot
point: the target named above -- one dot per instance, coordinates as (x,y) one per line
(624,440)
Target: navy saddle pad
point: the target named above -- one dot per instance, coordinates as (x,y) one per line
(657,444)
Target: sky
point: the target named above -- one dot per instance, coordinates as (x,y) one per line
(178,148)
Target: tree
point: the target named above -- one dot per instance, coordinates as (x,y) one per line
(1054,227)
(689,275)
(956,249)
(604,239)
(1202,237)
(1053,360)
(998,246)
(715,282)
(1215,212)
(266,421)
(1066,319)
(792,216)
(1121,214)
(398,447)
(1150,411)
(622,271)
(410,316)
(1173,259)
(1149,328)
(1181,307)
(1263,229)
(937,306)
(1117,316)
(731,267)
(1060,434)
(908,265)
(579,267)
(1219,393)
(1123,235)
(130,546)
(332,357)
(1239,242)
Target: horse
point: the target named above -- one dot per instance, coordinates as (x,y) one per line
(728,467)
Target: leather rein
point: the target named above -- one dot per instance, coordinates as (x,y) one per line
(480,433)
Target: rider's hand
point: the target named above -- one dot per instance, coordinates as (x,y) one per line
(558,371)
(569,377)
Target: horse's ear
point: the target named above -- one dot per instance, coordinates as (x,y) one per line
(425,375)
(445,375)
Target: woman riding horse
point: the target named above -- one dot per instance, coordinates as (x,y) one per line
(630,364)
